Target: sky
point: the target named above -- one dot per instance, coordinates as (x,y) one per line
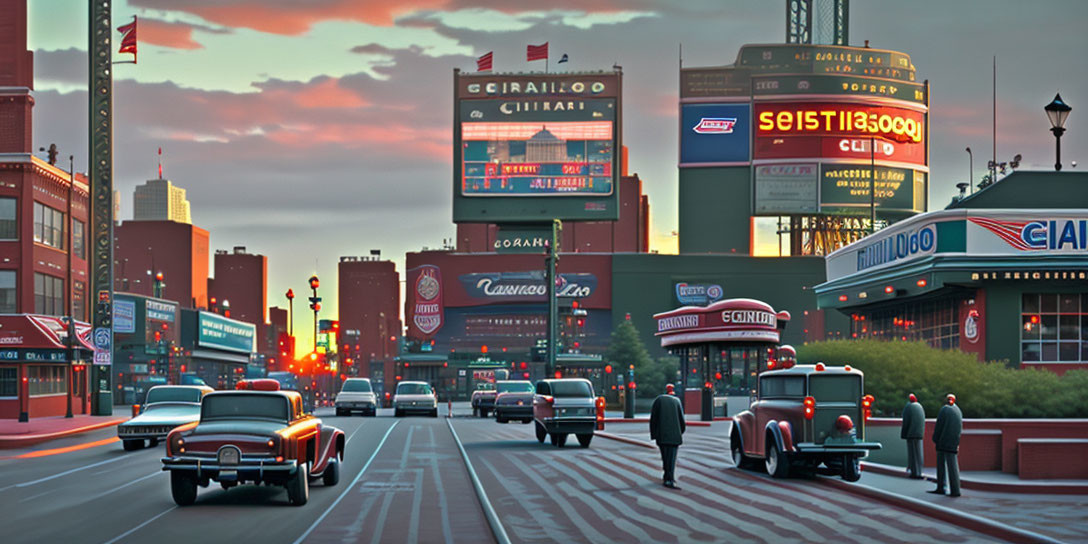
(306,131)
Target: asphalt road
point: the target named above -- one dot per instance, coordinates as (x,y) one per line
(404,480)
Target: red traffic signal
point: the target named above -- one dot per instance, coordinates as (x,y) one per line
(158,277)
(314,283)
(607,369)
(158,336)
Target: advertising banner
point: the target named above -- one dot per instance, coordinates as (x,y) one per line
(516,239)
(714,134)
(698,294)
(891,123)
(161,311)
(216,331)
(714,82)
(525,286)
(827,59)
(1037,233)
(845,188)
(124,316)
(768,85)
(787,189)
(424,301)
(839,147)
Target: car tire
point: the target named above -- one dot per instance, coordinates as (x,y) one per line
(559,439)
(777,462)
(434,413)
(182,488)
(484,412)
(526,421)
(541,433)
(737,448)
(475,412)
(501,419)
(851,468)
(152,442)
(331,476)
(132,445)
(585,439)
(397,413)
(298,487)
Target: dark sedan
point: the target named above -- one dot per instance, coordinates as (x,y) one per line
(514,400)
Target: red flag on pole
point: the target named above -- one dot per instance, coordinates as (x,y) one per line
(537,52)
(483,63)
(128,38)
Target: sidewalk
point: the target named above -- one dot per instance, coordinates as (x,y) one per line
(18,435)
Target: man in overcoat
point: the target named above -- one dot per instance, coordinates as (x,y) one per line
(667,429)
(946,438)
(914,431)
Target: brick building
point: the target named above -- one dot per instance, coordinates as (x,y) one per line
(241,279)
(178,250)
(369,308)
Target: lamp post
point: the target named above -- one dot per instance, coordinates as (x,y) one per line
(970,170)
(1057,111)
(315,305)
(290,312)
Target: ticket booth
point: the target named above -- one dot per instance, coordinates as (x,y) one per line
(722,348)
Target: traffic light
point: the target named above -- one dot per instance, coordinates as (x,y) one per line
(315,304)
(314,283)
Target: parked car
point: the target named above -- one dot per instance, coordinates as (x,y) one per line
(260,435)
(563,407)
(166,407)
(804,416)
(514,400)
(483,399)
(415,397)
(356,395)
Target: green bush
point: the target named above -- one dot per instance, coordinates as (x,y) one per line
(626,348)
(893,370)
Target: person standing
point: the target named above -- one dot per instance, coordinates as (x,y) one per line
(946,438)
(914,431)
(667,428)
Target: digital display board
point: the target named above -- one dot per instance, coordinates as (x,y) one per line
(844,188)
(787,189)
(536,147)
(795,84)
(712,134)
(827,59)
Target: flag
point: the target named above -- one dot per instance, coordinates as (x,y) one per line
(564,59)
(537,52)
(483,63)
(128,38)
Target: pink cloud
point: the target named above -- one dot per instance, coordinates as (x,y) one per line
(162,33)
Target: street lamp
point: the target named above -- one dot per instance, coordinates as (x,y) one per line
(315,305)
(290,312)
(1057,111)
(970,170)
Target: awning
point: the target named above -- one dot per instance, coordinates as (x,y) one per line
(220,356)
(31,331)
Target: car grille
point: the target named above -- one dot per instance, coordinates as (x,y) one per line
(144,429)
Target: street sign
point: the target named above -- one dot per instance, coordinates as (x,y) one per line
(102,357)
(103,338)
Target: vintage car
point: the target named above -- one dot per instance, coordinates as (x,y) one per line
(415,397)
(514,400)
(804,416)
(166,407)
(356,395)
(258,435)
(562,407)
(483,399)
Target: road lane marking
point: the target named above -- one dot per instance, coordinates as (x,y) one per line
(141,526)
(55,451)
(65,473)
(122,486)
(492,518)
(32,497)
(441,490)
(348,488)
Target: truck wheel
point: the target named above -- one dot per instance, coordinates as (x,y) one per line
(331,476)
(298,487)
(132,445)
(737,448)
(541,433)
(851,468)
(182,488)
(559,439)
(778,463)
(585,439)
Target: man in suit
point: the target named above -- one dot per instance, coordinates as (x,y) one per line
(913,431)
(946,437)
(667,428)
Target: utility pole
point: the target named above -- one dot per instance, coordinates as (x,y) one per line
(69,290)
(315,305)
(551,277)
(100,158)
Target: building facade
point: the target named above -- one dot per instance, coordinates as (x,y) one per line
(368,291)
(160,200)
(241,288)
(178,250)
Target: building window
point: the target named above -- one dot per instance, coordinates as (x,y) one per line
(7,292)
(933,322)
(1054,328)
(9,224)
(79,245)
(48,295)
(9,382)
(48,226)
(46,380)
(79,301)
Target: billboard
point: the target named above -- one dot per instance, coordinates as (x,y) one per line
(839,130)
(827,59)
(845,188)
(804,84)
(787,189)
(714,134)
(536,147)
(424,301)
(216,331)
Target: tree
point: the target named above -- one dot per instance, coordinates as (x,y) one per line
(626,348)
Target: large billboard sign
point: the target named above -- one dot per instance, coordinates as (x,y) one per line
(787,189)
(424,304)
(714,134)
(823,84)
(859,121)
(845,188)
(536,147)
(219,332)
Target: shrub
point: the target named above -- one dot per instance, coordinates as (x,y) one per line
(895,369)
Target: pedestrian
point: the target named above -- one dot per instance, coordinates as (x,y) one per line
(946,437)
(667,428)
(914,431)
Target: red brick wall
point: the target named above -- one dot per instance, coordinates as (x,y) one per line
(1053,459)
(242,279)
(369,301)
(179,251)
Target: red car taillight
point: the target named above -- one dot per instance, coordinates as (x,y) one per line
(867,405)
(810,407)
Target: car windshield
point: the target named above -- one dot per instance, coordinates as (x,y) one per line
(782,387)
(835,388)
(173,394)
(574,388)
(414,389)
(244,406)
(357,386)
(515,387)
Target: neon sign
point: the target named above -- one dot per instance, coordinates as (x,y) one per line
(844,121)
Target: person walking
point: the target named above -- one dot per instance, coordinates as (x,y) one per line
(946,437)
(914,431)
(667,427)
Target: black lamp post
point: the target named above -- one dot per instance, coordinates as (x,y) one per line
(1057,111)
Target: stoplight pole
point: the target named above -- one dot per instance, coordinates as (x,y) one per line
(551,262)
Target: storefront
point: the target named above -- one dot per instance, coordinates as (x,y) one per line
(722,348)
(146,336)
(40,374)
(985,276)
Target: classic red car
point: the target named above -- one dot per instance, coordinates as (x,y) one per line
(258,435)
(804,416)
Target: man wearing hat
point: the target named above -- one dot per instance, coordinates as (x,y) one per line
(913,431)
(946,437)
(667,428)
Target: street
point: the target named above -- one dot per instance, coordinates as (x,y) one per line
(404,480)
